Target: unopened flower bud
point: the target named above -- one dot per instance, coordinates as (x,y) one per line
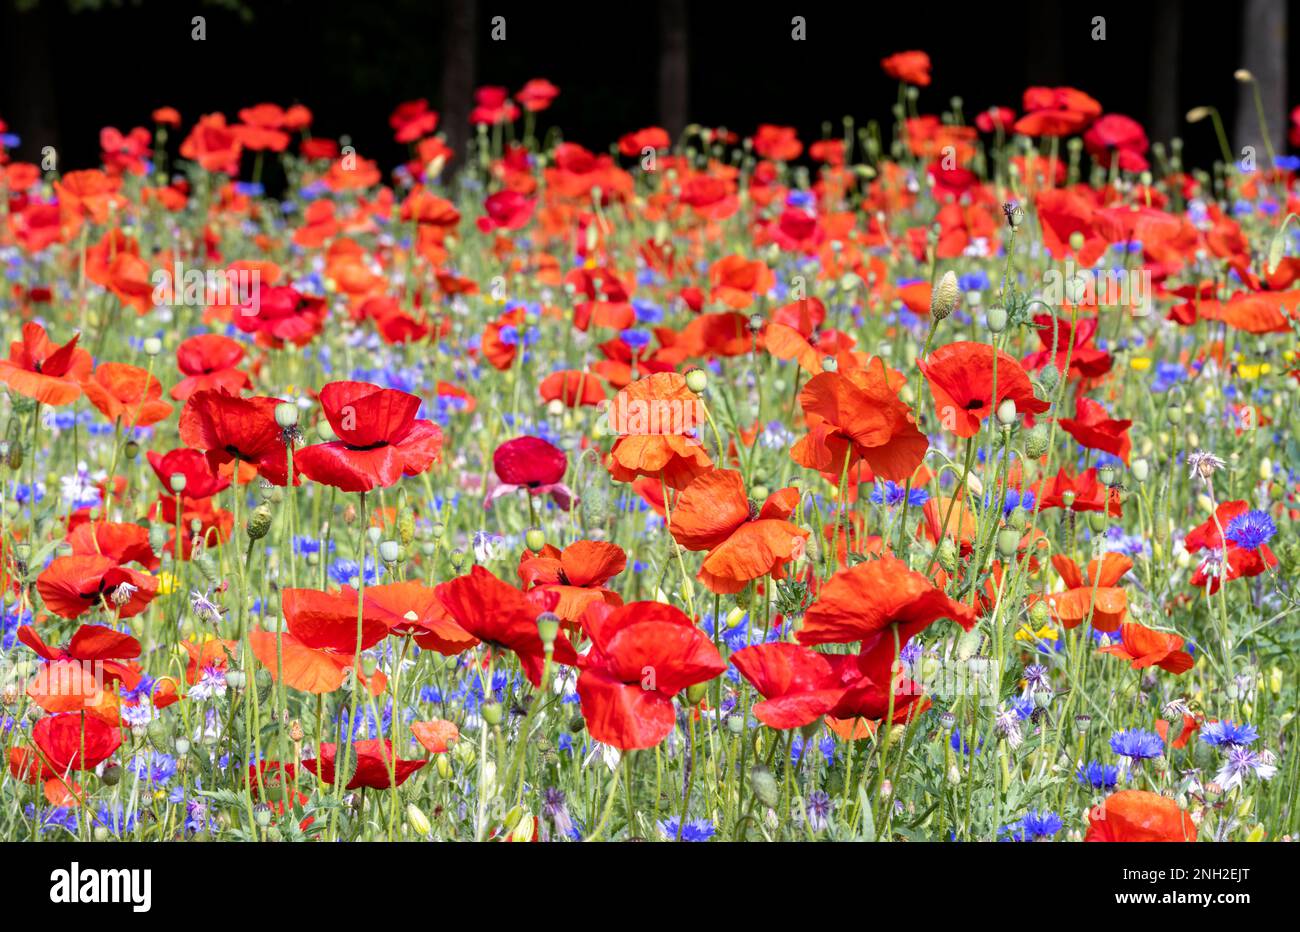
(944,297)
(1007,412)
(995,318)
(152,346)
(259,522)
(697,380)
(535,540)
(390,551)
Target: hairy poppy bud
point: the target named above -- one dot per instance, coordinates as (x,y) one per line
(112,775)
(764,785)
(1006,413)
(944,297)
(259,522)
(492,713)
(696,692)
(1008,542)
(1036,441)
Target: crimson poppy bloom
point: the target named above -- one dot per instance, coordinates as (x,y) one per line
(961,377)
(863,601)
(1084,358)
(74,742)
(1115,136)
(535,465)
(227,428)
(642,655)
(380,439)
(74,585)
(537,95)
(1144,647)
(373,759)
(577,574)
(280,314)
(209,361)
(1091,427)
(504,617)
(201,480)
(41,369)
(1139,815)
(744,542)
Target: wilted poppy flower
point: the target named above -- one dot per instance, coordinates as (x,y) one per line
(74,585)
(744,541)
(961,377)
(1094,430)
(909,67)
(126,394)
(642,655)
(578,574)
(209,361)
(1138,815)
(861,602)
(1094,595)
(657,419)
(857,414)
(532,464)
(373,759)
(503,617)
(1144,647)
(380,439)
(227,428)
(40,369)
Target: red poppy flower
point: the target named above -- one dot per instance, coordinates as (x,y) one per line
(435,736)
(503,617)
(633,145)
(373,760)
(1228,558)
(409,608)
(201,480)
(909,67)
(736,280)
(657,419)
(994,119)
(533,464)
(1094,594)
(1115,136)
(744,542)
(961,377)
(227,428)
(73,585)
(573,388)
(577,574)
(1078,493)
(1094,430)
(213,144)
(493,105)
(413,119)
(200,512)
(1144,648)
(380,439)
(126,394)
(798,684)
(1138,815)
(119,541)
(43,370)
(74,742)
(1085,360)
(642,655)
(857,415)
(779,143)
(75,677)
(861,602)
(209,361)
(506,210)
(321,642)
(1056,111)
(281,314)
(537,95)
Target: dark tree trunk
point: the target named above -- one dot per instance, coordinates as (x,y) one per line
(459,54)
(1166,50)
(674,76)
(1263,54)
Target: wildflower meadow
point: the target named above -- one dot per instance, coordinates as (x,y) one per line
(929,480)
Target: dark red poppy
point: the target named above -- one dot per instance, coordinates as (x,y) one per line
(798,684)
(380,439)
(642,655)
(208,361)
(227,428)
(373,760)
(533,464)
(506,210)
(201,480)
(961,377)
(504,617)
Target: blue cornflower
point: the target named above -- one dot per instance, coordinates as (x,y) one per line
(1097,775)
(1137,744)
(890,493)
(154,766)
(1251,530)
(1228,734)
(1033,826)
(696,830)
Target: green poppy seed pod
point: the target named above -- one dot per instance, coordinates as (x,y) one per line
(437,529)
(1141,470)
(1017,520)
(236,679)
(548,628)
(152,346)
(1097,521)
(735,724)
(1174,413)
(697,380)
(1007,412)
(763,783)
(390,551)
(1008,542)
(1106,475)
(696,692)
(1076,240)
(755,323)
(286,414)
(177,481)
(101,833)
(1036,441)
(1067,499)
(492,713)
(259,523)
(759,493)
(131,450)
(555,407)
(995,319)
(944,297)
(15,457)
(535,539)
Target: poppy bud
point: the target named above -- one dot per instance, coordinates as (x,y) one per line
(1174,413)
(944,297)
(594,505)
(995,318)
(131,450)
(262,680)
(764,785)
(1049,379)
(696,692)
(15,457)
(418,821)
(444,767)
(182,747)
(160,734)
(152,346)
(259,523)
(697,380)
(1039,614)
(1036,441)
(1008,542)
(492,713)
(1141,470)
(535,540)
(948,555)
(112,775)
